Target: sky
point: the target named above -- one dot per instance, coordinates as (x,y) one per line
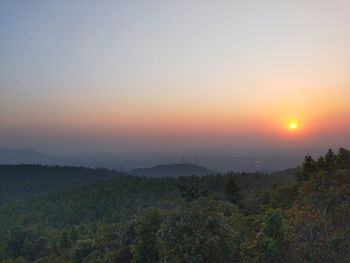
(161,76)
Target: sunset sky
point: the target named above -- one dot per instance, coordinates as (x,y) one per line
(124,76)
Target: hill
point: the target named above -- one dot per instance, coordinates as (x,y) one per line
(18,182)
(127,161)
(22,156)
(172,170)
(114,200)
(107,221)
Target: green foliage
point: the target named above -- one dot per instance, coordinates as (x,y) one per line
(272,236)
(199,231)
(145,248)
(343,159)
(235,217)
(232,192)
(190,193)
(82,249)
(319,221)
(18,182)
(309,167)
(266,243)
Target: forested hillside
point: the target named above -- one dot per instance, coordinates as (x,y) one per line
(299,215)
(172,170)
(18,182)
(119,199)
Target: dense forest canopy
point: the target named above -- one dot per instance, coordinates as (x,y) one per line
(299,215)
(18,182)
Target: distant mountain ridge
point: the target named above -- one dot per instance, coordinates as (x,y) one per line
(172,170)
(224,162)
(23,156)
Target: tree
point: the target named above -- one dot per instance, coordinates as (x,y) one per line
(343,159)
(330,160)
(145,249)
(199,232)
(267,246)
(82,249)
(232,192)
(65,241)
(190,193)
(309,166)
(15,245)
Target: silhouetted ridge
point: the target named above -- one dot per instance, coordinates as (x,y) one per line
(173,170)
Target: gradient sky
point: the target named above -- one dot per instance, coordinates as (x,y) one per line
(123,76)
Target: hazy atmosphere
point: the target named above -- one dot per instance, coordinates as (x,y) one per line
(185,131)
(180,78)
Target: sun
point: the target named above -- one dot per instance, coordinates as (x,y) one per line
(293,125)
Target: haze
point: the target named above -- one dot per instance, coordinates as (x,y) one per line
(186,76)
